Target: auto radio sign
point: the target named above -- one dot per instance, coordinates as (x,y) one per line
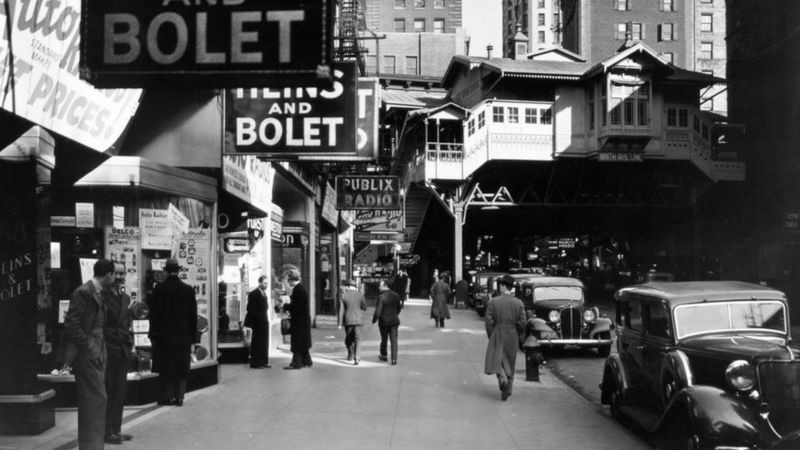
(212,43)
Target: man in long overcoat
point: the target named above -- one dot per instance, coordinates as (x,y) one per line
(505,323)
(83,327)
(119,345)
(387,314)
(299,309)
(173,329)
(440,294)
(258,321)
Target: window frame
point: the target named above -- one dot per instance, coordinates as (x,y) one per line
(386,59)
(622,5)
(418,21)
(667,36)
(402,21)
(438,20)
(706,54)
(481,119)
(707,27)
(416,64)
(419,4)
(400,4)
(513,114)
(439,4)
(531,116)
(668,5)
(498,112)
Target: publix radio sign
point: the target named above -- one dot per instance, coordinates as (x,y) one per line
(367,192)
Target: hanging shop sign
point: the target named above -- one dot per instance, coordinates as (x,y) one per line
(155,228)
(237,245)
(39,72)
(329,211)
(368,104)
(123,246)
(214,43)
(249,179)
(379,220)
(368,192)
(368,236)
(283,123)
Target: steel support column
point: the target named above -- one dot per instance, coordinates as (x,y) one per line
(458,245)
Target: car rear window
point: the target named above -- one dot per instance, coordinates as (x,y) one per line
(742,315)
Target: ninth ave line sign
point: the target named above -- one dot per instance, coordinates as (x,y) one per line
(367,192)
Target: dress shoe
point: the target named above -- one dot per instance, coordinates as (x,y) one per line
(113,439)
(257,367)
(164,402)
(291,367)
(382,358)
(268,366)
(356,361)
(125,437)
(504,394)
(308,365)
(394,362)
(178,402)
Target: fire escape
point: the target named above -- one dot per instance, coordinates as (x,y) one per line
(350,21)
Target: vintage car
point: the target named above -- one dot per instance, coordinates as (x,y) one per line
(483,288)
(705,365)
(559,318)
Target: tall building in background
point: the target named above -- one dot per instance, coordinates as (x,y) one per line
(540,20)
(687,33)
(411,37)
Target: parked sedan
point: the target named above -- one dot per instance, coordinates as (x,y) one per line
(484,287)
(559,316)
(706,365)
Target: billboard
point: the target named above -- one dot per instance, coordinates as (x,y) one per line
(284,123)
(213,43)
(39,75)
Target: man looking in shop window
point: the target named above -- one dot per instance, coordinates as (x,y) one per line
(119,342)
(258,320)
(83,326)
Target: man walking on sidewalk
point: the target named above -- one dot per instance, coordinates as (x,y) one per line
(258,320)
(353,302)
(387,314)
(505,322)
(119,342)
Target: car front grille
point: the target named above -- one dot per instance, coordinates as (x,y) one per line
(778,383)
(571,323)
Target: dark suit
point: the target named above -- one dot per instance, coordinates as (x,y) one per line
(83,327)
(387,314)
(257,317)
(173,329)
(299,309)
(119,342)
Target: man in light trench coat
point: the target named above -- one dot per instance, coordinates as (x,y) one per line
(505,323)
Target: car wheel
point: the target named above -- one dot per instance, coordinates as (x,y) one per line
(681,436)
(614,405)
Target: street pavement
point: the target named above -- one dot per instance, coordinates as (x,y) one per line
(437,396)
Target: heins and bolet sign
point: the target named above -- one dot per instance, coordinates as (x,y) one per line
(214,43)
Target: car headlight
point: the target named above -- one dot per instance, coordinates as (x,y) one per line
(589,316)
(740,375)
(554,316)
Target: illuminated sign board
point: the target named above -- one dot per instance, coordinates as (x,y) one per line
(283,123)
(211,43)
(367,192)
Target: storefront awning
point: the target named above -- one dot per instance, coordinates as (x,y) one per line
(133,171)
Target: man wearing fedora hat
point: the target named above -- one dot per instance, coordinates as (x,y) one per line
(505,322)
(173,329)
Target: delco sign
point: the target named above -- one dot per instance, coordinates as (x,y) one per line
(211,43)
(367,192)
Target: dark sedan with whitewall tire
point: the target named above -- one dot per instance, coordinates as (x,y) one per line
(559,317)
(705,365)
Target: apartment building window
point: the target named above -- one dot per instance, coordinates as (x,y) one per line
(707,50)
(481,119)
(706,1)
(438,4)
(419,25)
(531,115)
(411,65)
(419,3)
(541,19)
(497,114)
(667,5)
(622,5)
(389,64)
(622,29)
(637,31)
(541,37)
(513,115)
(371,63)
(400,25)
(546,116)
(471,127)
(677,117)
(667,32)
(669,57)
(541,4)
(438,25)
(706,22)
(399,4)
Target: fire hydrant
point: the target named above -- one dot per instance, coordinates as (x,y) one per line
(533,357)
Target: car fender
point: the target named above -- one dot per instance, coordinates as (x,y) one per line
(536,324)
(675,366)
(614,375)
(601,325)
(718,416)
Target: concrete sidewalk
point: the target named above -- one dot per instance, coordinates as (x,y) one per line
(436,397)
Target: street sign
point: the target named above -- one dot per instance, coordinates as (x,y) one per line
(211,43)
(283,123)
(367,236)
(367,192)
